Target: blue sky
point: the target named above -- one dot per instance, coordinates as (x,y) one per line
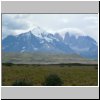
(19,23)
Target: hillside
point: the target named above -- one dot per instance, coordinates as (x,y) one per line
(44,58)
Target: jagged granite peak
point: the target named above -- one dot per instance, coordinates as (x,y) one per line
(71,32)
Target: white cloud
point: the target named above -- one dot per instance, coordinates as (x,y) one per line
(19,23)
(91,19)
(65,20)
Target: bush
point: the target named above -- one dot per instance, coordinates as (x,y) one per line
(22,82)
(61,65)
(8,64)
(96,67)
(53,80)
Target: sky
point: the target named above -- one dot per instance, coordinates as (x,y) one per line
(19,23)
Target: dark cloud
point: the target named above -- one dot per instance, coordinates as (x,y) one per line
(12,23)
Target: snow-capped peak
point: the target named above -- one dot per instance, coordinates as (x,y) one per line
(38,32)
(71,31)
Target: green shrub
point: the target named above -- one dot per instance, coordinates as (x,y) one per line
(61,65)
(53,80)
(22,82)
(96,67)
(8,64)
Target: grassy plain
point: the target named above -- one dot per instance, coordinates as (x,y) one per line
(71,74)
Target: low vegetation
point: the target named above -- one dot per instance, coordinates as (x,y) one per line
(47,75)
(22,82)
(53,80)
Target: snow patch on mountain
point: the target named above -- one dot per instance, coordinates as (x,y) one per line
(23,47)
(48,39)
(35,49)
(38,32)
(42,41)
(22,51)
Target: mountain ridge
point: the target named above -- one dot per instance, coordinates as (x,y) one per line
(38,39)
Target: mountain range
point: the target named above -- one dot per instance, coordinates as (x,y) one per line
(66,41)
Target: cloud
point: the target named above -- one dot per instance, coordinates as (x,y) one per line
(19,23)
(91,19)
(13,23)
(65,20)
(6,32)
